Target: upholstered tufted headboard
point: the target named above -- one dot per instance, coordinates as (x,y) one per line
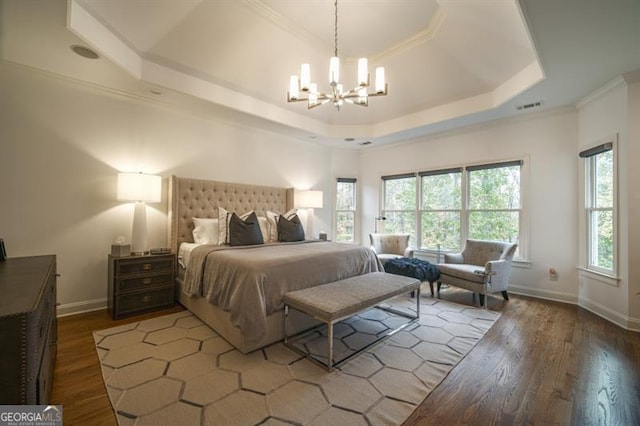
(189,198)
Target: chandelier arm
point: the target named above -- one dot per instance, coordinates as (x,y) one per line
(336,95)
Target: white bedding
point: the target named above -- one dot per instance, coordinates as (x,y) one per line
(184,253)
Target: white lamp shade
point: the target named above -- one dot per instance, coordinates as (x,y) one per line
(380,81)
(363,72)
(139,187)
(308,199)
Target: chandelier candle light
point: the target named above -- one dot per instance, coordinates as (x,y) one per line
(301,88)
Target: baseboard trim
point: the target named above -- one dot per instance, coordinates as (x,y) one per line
(554,296)
(624,321)
(81,307)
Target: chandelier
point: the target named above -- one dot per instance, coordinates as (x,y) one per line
(301,89)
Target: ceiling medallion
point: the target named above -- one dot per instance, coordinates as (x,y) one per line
(301,89)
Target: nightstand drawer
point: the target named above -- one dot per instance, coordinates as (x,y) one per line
(141,301)
(144,265)
(143,282)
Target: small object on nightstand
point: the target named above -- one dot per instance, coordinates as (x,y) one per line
(160,250)
(120,249)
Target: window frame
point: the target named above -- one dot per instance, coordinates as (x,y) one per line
(385,213)
(353,212)
(422,211)
(467,204)
(590,195)
(523,232)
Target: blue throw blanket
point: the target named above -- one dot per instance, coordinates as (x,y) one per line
(414,268)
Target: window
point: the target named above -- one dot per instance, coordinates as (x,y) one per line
(400,204)
(494,202)
(441,212)
(599,208)
(345,210)
(480,202)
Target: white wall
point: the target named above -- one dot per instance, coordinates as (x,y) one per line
(614,111)
(547,143)
(634,201)
(601,118)
(63,143)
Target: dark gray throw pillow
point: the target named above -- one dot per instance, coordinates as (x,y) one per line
(244,232)
(290,230)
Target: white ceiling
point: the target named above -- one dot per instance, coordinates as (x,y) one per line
(449,63)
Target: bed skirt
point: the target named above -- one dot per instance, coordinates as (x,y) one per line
(220,321)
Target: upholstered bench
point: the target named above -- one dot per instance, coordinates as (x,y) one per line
(333,302)
(414,268)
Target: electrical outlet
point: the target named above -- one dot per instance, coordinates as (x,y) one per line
(553,274)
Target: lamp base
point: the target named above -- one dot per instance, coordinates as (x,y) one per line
(139,231)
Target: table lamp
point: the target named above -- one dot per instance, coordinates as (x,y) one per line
(141,188)
(308,200)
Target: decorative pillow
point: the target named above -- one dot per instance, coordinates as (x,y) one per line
(264,228)
(272,219)
(244,232)
(223,225)
(205,231)
(290,230)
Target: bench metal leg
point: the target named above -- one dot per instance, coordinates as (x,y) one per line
(330,346)
(330,358)
(286,314)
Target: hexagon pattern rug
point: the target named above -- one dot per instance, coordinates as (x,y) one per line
(175,370)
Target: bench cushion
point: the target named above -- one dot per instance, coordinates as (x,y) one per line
(339,299)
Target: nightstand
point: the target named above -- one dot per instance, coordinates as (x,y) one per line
(141,283)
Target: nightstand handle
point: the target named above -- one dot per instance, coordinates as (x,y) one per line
(146,299)
(147,266)
(146,281)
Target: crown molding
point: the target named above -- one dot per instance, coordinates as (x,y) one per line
(613,84)
(415,40)
(423,36)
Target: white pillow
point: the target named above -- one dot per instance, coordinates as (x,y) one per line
(272,220)
(205,231)
(264,228)
(224,217)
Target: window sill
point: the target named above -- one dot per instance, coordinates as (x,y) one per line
(521,263)
(599,276)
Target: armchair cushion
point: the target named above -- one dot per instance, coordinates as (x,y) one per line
(482,267)
(390,246)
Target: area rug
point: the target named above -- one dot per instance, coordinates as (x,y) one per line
(175,370)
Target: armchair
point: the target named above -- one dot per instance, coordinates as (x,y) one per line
(483,267)
(390,246)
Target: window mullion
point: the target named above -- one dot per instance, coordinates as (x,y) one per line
(464,214)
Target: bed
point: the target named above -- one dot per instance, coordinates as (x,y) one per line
(238,291)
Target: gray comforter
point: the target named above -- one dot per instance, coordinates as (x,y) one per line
(250,281)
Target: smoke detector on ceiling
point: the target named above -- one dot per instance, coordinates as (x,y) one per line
(365,143)
(529,105)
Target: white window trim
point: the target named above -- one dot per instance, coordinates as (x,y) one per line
(604,275)
(523,236)
(354,211)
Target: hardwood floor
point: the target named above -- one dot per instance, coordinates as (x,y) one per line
(541,363)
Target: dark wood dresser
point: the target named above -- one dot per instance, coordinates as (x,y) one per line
(141,283)
(28,329)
